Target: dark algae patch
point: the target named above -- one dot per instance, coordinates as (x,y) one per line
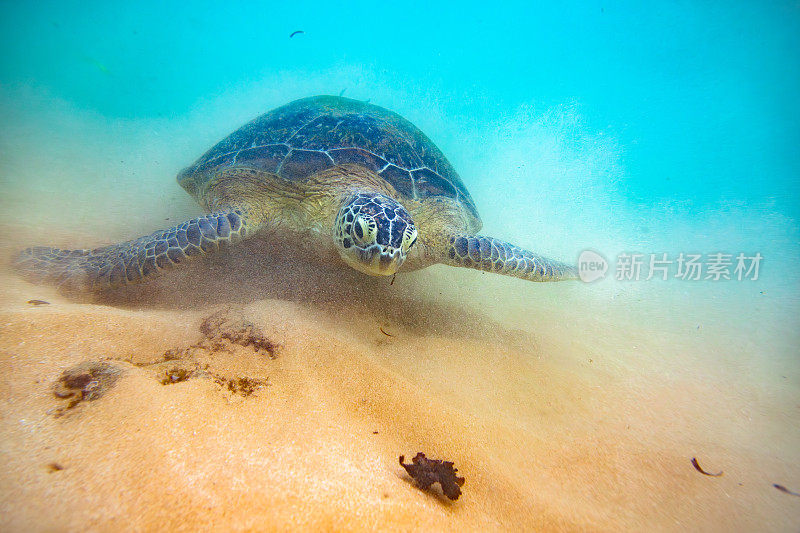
(426,472)
(85,382)
(243,386)
(172,355)
(220,335)
(218,329)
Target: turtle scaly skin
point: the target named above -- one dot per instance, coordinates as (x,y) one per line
(494,255)
(133,261)
(336,175)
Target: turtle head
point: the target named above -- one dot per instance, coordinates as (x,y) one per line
(374,233)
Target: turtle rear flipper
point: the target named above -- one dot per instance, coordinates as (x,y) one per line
(493,255)
(132,261)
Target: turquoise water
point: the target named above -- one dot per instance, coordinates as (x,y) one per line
(624,128)
(700,97)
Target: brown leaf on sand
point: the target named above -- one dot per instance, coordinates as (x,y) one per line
(426,472)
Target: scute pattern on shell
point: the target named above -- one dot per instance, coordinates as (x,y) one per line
(305,136)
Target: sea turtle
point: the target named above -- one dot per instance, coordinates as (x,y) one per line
(341,176)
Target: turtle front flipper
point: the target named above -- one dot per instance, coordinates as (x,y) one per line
(493,255)
(132,261)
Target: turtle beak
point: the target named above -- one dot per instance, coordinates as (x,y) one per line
(376,261)
(382,261)
(389,261)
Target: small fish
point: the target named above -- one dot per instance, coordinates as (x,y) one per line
(342,91)
(697,467)
(38,302)
(97,64)
(296,33)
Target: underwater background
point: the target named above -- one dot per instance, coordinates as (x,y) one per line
(622,128)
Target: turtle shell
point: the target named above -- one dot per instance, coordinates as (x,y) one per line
(306,136)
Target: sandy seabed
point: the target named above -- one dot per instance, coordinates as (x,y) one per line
(559,416)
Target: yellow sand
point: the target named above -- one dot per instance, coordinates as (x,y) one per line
(560,414)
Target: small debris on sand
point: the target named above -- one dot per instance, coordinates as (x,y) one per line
(697,467)
(785,490)
(426,472)
(176,375)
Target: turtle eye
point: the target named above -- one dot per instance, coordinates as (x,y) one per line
(409,239)
(361,230)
